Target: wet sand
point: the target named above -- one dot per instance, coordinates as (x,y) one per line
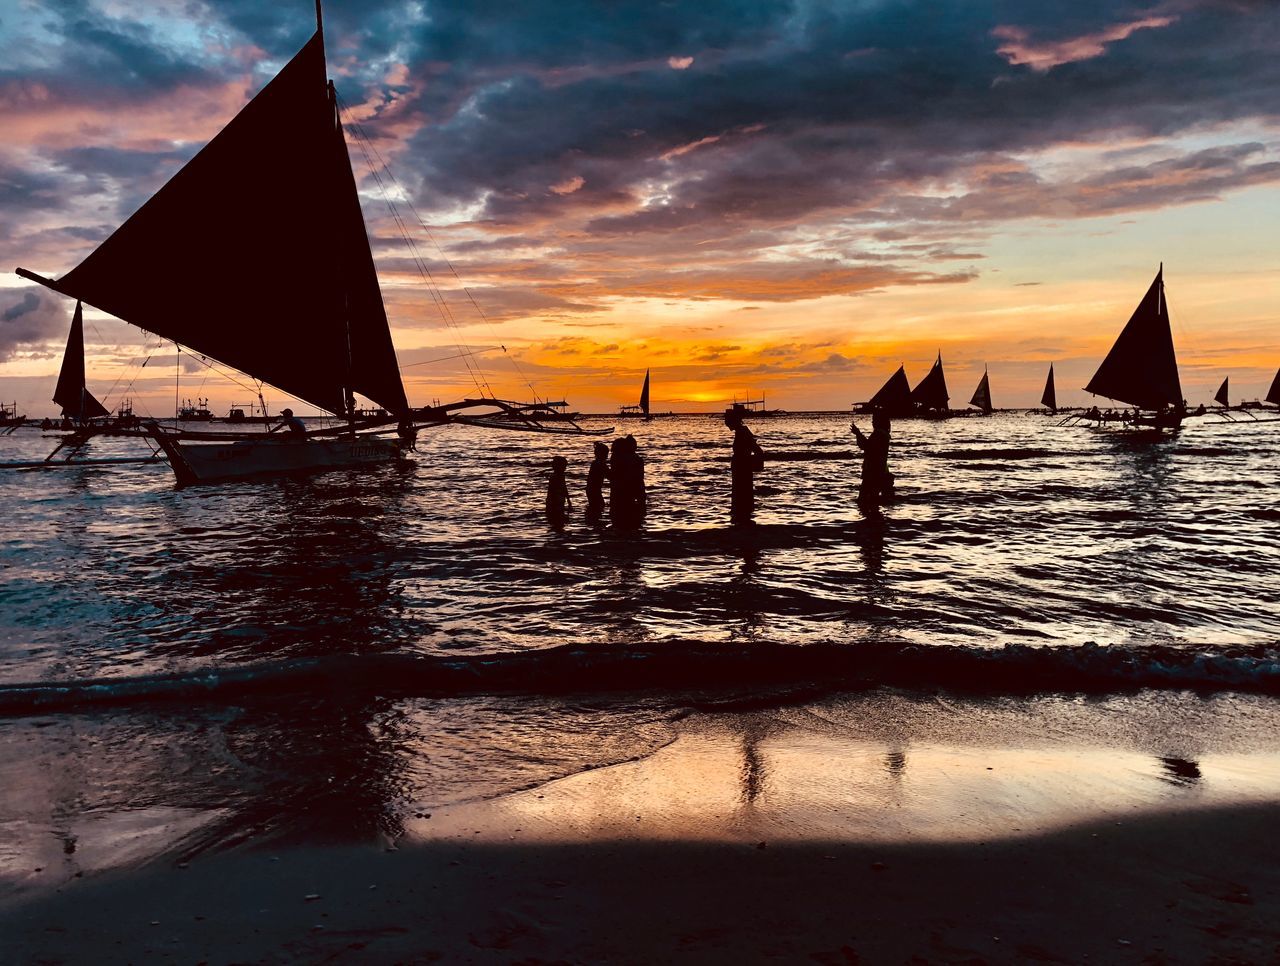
(736,844)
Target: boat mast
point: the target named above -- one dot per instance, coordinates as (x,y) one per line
(348,394)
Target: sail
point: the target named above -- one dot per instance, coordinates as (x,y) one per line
(895,395)
(931,393)
(1273,394)
(70,393)
(255,253)
(1050,397)
(644,394)
(982,395)
(1141,368)
(1221,396)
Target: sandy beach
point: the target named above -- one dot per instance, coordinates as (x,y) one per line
(738,842)
(1184,888)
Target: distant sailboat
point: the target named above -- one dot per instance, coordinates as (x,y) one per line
(640,410)
(930,396)
(78,404)
(255,254)
(1273,394)
(1050,397)
(1141,369)
(1221,396)
(982,395)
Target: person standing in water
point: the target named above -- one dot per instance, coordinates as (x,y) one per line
(877,481)
(558,501)
(627,498)
(596,475)
(747,458)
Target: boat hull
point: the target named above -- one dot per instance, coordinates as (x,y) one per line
(206,462)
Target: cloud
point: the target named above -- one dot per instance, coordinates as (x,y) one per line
(679,63)
(29,318)
(1018,47)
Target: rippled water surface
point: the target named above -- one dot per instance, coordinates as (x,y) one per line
(395,640)
(1007,530)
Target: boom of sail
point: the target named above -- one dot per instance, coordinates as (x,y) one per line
(255,253)
(71,394)
(1050,396)
(931,393)
(1141,368)
(982,395)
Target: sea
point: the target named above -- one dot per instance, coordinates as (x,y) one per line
(333,657)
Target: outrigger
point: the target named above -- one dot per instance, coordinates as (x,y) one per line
(1141,370)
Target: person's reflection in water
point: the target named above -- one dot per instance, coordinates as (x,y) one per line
(895,763)
(747,459)
(744,601)
(753,776)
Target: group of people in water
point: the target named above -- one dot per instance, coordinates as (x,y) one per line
(622,468)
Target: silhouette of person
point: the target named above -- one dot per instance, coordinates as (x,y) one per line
(291,423)
(46,423)
(627,498)
(596,475)
(877,481)
(747,458)
(558,501)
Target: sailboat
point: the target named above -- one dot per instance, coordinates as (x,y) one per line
(930,396)
(641,409)
(1221,397)
(1273,394)
(1049,397)
(77,402)
(982,395)
(1141,369)
(255,255)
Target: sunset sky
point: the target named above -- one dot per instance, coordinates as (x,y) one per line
(787,197)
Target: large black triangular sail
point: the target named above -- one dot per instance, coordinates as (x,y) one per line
(931,393)
(982,395)
(644,394)
(1273,394)
(1050,396)
(255,253)
(895,395)
(1141,368)
(70,393)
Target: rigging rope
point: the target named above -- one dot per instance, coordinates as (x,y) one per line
(377,166)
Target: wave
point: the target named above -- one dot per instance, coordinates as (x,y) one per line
(687,672)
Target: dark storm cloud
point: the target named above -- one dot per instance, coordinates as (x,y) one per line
(845,108)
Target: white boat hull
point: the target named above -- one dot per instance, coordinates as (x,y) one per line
(210,462)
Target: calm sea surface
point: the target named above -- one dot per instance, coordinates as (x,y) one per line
(1017,551)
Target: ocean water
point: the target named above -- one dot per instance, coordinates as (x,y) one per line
(330,655)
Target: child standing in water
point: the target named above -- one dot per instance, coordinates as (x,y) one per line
(558,501)
(596,475)
(877,481)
